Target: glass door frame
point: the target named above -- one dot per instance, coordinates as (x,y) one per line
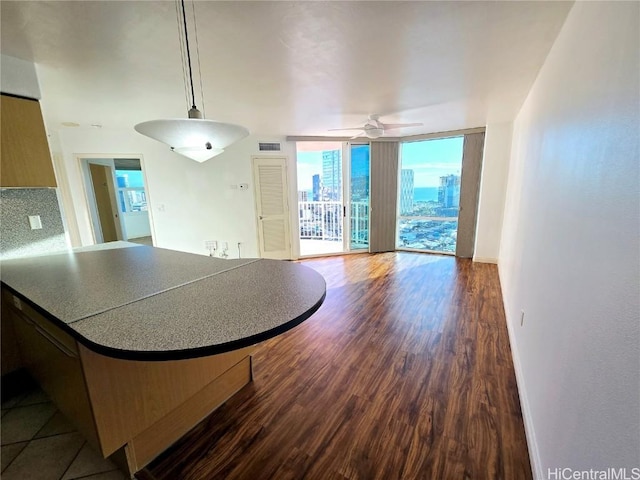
(345,152)
(346,194)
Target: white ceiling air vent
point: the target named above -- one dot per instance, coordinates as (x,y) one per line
(268,147)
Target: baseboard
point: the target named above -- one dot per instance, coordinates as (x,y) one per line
(485,260)
(532,445)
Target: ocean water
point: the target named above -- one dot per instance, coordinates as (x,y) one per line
(425,194)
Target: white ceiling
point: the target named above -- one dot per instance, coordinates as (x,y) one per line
(296,68)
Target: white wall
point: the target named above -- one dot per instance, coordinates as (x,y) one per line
(190,202)
(136,224)
(570,246)
(495,167)
(18,77)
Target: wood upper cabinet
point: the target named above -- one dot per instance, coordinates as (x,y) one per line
(25,160)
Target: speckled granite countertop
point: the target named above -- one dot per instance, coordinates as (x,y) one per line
(154,304)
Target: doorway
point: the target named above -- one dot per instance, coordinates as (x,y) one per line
(117,199)
(333,197)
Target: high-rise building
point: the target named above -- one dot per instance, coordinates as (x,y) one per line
(317,192)
(332,175)
(406,191)
(123,180)
(360,173)
(449,191)
(303,195)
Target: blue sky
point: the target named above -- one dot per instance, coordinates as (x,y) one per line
(429,160)
(309,164)
(432,159)
(134,177)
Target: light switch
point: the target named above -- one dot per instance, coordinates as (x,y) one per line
(35,222)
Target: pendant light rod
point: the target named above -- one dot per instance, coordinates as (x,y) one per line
(194,137)
(186,40)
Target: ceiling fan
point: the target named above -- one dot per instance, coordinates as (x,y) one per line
(374,128)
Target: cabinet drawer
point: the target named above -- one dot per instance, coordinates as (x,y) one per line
(61,340)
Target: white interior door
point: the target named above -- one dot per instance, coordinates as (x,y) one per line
(272,207)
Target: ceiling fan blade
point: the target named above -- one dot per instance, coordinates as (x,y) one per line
(391,126)
(362,134)
(343,129)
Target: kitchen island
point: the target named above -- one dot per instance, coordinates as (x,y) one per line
(136,345)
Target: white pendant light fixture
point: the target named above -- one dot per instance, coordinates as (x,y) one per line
(194,137)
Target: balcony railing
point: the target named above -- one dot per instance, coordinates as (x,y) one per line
(322,220)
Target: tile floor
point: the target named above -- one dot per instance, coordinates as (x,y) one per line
(38,443)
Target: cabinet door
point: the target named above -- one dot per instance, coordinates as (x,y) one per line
(9,354)
(51,358)
(26,160)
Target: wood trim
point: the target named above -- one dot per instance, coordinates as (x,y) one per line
(25,157)
(154,440)
(129,396)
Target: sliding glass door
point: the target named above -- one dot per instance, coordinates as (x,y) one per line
(359,196)
(333,197)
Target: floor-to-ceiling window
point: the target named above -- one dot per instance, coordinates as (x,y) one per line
(333,197)
(429,194)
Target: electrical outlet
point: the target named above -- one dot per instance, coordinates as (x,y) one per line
(522,318)
(34,222)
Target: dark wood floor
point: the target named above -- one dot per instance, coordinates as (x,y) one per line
(405,372)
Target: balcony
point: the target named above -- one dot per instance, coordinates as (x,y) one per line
(321,227)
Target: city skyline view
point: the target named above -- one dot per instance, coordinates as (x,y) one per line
(429,160)
(428,193)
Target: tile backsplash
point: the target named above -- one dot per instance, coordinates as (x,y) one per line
(17,239)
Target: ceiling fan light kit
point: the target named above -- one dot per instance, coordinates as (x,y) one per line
(373,132)
(194,137)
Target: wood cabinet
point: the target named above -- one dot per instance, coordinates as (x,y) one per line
(10,360)
(51,357)
(128,410)
(25,158)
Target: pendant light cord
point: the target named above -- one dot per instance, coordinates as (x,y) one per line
(195,28)
(182,55)
(186,39)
